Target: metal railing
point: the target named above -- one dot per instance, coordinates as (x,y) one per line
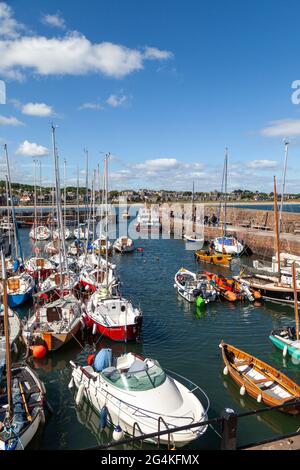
(229,429)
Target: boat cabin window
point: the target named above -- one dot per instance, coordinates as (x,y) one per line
(135,379)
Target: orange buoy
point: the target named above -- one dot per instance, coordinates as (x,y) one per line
(90,359)
(39,352)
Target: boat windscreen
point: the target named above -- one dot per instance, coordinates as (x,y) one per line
(137,380)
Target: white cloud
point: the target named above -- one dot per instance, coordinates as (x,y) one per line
(37,109)
(157,54)
(116,101)
(10,121)
(90,106)
(9,27)
(158,164)
(282,128)
(262,164)
(31,149)
(72,54)
(55,21)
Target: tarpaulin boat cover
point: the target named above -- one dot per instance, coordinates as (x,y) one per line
(103,359)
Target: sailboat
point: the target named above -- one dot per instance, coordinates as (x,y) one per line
(227,244)
(274,287)
(191,236)
(20,289)
(38,232)
(124,245)
(22,394)
(107,312)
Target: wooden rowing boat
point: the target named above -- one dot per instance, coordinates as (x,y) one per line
(261,381)
(213,258)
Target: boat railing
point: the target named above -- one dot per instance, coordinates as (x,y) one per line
(136,426)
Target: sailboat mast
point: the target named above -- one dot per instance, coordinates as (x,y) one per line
(35,200)
(277,230)
(58,203)
(11,201)
(7,342)
(65,192)
(8,209)
(225,189)
(193,210)
(296,300)
(286,151)
(78,217)
(106,217)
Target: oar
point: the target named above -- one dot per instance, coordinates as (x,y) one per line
(29,417)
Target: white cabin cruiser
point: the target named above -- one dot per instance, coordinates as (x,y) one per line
(99,245)
(138,390)
(228,245)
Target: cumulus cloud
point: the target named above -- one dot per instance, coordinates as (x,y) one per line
(31,149)
(116,101)
(37,109)
(55,21)
(158,164)
(10,121)
(9,27)
(72,54)
(282,128)
(262,164)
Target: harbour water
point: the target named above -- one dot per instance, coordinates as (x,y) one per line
(181,338)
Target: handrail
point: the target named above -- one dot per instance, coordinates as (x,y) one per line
(136,425)
(161,419)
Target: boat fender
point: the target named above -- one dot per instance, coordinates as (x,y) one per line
(71,383)
(103,417)
(118,433)
(259,398)
(94,331)
(285,350)
(225,370)
(242,390)
(79,395)
(87,287)
(90,359)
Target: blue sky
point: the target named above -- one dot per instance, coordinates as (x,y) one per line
(163,85)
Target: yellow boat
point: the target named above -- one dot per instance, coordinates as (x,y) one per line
(213,258)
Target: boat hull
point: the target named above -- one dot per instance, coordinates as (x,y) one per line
(117,333)
(217,259)
(15,300)
(279,344)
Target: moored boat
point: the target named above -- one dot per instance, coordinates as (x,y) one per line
(205,256)
(39,268)
(124,245)
(40,233)
(190,286)
(140,397)
(113,316)
(20,289)
(260,380)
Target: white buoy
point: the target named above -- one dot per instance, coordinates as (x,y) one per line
(285,350)
(118,433)
(79,395)
(71,383)
(220,346)
(225,370)
(94,329)
(87,287)
(242,390)
(259,398)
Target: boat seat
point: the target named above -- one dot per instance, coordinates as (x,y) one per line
(109,371)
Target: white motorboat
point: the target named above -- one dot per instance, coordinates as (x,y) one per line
(137,393)
(55,323)
(113,316)
(40,233)
(93,260)
(39,268)
(190,285)
(228,245)
(124,245)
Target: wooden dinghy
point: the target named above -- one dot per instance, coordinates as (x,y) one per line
(261,381)
(213,258)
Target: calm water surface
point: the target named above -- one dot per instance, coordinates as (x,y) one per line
(181,339)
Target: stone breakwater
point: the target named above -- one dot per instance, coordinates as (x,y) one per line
(255,228)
